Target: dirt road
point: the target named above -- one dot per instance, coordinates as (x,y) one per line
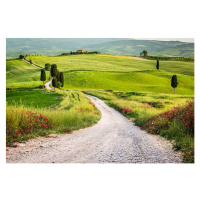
(114,139)
(32,64)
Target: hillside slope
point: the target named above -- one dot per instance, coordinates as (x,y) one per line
(118,46)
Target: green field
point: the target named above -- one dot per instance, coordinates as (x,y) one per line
(132,86)
(121,73)
(112,64)
(19,74)
(34,98)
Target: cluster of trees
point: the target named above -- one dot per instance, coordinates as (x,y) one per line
(58,77)
(21,56)
(75,53)
(144,54)
(170,58)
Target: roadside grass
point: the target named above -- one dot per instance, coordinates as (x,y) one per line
(171,116)
(24,122)
(114,64)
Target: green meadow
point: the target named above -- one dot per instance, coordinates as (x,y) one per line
(121,73)
(19,74)
(132,86)
(105,63)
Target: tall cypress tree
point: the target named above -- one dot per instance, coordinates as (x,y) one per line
(174,82)
(157,65)
(53,70)
(62,79)
(54,82)
(43,76)
(58,76)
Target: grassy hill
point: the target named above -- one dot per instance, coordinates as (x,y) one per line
(121,73)
(112,64)
(117,46)
(131,85)
(134,47)
(19,74)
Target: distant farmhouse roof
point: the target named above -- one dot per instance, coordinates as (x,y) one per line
(81,50)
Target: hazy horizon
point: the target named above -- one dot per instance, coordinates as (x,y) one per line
(168,39)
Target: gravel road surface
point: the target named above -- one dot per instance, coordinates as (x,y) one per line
(114,139)
(47,85)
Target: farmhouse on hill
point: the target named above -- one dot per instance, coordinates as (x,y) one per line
(82,51)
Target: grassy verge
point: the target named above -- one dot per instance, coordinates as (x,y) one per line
(24,122)
(171,116)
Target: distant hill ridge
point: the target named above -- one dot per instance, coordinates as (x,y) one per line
(117,46)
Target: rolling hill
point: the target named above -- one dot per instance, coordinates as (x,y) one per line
(117,46)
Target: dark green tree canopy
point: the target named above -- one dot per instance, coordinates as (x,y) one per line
(174,81)
(47,66)
(53,70)
(58,76)
(54,82)
(21,57)
(62,79)
(43,75)
(157,65)
(145,53)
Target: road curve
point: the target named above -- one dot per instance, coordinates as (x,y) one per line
(47,85)
(114,139)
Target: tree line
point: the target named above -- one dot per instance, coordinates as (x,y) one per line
(144,54)
(76,53)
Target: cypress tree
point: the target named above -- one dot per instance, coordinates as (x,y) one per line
(53,70)
(58,76)
(43,76)
(62,79)
(174,82)
(157,65)
(47,66)
(54,82)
